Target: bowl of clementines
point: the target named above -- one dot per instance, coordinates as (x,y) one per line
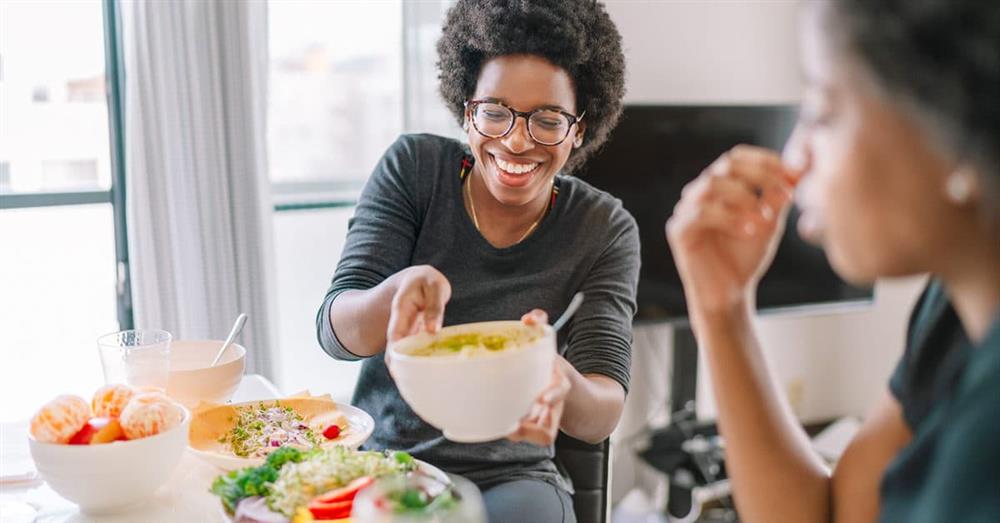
(110,454)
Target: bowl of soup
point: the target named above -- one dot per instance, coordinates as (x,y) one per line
(474,381)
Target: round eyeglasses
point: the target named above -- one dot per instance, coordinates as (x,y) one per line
(546,126)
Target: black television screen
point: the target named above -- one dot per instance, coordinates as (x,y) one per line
(655,151)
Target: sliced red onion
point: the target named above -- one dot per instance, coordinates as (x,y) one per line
(255,510)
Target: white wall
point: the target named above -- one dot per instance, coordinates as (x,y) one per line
(709,51)
(308,245)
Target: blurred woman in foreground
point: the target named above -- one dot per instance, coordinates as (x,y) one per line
(895,160)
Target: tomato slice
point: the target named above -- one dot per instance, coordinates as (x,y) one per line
(345,493)
(332,432)
(335,510)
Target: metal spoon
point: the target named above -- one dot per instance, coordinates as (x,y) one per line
(574,304)
(241,320)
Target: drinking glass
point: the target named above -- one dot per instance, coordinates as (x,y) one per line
(140,357)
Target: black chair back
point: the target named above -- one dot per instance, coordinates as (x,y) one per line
(588,467)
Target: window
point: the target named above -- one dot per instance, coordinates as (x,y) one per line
(346,79)
(58,275)
(335,92)
(54,128)
(423,108)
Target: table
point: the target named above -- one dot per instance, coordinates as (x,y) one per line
(183,499)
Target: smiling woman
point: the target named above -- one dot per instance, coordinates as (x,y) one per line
(493,228)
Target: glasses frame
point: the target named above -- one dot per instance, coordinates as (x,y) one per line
(471,105)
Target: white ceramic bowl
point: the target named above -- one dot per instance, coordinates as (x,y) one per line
(473,399)
(111,477)
(193,381)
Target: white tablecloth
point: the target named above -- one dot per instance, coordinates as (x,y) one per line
(184,499)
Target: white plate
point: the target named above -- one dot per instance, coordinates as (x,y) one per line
(360,428)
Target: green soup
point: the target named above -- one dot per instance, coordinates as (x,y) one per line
(473,344)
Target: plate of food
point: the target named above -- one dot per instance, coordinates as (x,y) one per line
(296,486)
(244,434)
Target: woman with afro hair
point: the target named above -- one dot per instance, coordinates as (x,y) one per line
(447,232)
(897,161)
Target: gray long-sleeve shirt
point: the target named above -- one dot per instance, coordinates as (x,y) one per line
(411,212)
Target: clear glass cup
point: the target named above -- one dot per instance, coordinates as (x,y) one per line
(383,501)
(140,358)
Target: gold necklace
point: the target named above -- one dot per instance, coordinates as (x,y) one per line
(475,219)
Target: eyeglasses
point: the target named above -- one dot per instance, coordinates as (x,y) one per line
(545,126)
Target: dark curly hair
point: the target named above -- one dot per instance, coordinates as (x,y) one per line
(576,35)
(940,59)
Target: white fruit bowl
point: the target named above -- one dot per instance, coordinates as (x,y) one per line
(111,477)
(478,398)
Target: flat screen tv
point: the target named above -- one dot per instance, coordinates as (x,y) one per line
(654,152)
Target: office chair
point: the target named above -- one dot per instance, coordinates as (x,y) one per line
(588,467)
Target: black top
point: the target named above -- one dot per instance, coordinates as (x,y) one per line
(411,212)
(949,391)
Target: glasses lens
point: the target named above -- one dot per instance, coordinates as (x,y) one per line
(492,119)
(548,127)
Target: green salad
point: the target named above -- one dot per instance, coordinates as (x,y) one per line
(290,478)
(417,501)
(297,483)
(254,481)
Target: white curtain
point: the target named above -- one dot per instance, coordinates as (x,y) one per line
(198,197)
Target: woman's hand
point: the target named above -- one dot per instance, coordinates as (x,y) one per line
(541,425)
(418,304)
(727,225)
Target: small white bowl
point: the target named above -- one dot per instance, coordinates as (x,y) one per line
(479,398)
(111,477)
(193,381)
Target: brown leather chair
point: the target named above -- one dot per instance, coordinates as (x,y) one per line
(588,466)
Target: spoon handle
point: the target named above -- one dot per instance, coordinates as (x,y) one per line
(237,328)
(574,304)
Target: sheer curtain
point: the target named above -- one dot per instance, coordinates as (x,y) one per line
(198,199)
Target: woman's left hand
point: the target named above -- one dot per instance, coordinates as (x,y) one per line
(541,425)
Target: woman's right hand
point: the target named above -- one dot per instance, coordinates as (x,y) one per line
(419,301)
(727,225)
